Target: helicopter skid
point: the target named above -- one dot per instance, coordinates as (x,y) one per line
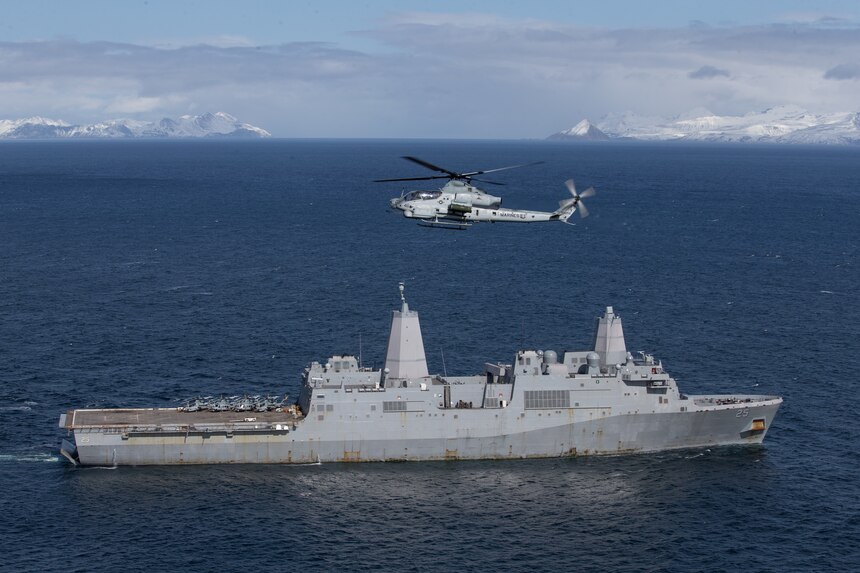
(452,225)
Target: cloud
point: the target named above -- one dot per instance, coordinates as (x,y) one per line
(706,72)
(587,72)
(223,41)
(440,75)
(136,105)
(84,82)
(843,72)
(818,18)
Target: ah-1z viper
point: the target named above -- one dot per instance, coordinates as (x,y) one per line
(458,203)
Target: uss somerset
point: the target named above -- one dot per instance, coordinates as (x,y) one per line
(602,400)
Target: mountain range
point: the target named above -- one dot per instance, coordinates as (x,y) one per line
(783,124)
(205,125)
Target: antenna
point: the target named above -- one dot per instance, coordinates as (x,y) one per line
(444,368)
(359,351)
(402,287)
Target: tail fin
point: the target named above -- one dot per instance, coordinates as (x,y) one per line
(563,213)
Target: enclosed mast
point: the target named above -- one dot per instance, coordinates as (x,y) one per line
(405,359)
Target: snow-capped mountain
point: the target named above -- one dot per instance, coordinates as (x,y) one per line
(206,125)
(783,124)
(582,130)
(32,127)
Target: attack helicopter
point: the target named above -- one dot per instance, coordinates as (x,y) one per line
(459,204)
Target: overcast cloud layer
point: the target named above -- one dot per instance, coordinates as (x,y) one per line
(438,75)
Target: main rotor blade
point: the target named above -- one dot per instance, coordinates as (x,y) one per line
(590,192)
(500,169)
(411,179)
(453,174)
(423,163)
(570,187)
(487,181)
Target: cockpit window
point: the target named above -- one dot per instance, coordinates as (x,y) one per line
(421,195)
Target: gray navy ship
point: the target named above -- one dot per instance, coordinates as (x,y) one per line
(603,400)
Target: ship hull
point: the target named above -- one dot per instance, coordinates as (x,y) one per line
(473,435)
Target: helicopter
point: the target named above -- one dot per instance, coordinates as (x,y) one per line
(459,204)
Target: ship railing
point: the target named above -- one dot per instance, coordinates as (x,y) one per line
(731,400)
(208,429)
(250,424)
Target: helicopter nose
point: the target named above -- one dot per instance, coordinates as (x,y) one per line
(394,202)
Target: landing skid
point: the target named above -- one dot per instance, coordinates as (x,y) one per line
(452,225)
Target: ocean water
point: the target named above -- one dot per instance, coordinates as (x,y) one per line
(143,273)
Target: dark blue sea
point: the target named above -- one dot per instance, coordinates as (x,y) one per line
(145,273)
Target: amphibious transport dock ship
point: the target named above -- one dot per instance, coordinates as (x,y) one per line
(602,400)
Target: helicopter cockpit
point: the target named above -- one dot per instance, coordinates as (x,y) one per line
(419,195)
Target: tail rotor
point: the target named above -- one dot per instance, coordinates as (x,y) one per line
(568,206)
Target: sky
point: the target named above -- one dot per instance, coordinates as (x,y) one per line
(431,69)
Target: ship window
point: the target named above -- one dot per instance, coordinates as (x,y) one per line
(373,407)
(320,407)
(329,408)
(394,406)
